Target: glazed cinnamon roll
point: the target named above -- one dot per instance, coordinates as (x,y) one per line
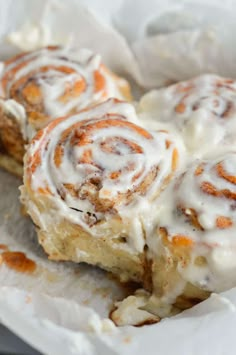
(196,235)
(90,181)
(192,250)
(203,110)
(39,86)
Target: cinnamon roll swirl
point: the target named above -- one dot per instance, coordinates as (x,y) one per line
(51,82)
(90,181)
(195,252)
(202,109)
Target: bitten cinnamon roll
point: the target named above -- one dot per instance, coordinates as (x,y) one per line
(39,86)
(203,110)
(195,251)
(90,181)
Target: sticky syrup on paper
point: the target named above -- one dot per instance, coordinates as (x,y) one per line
(18,262)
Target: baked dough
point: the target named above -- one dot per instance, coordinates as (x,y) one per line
(192,251)
(91,181)
(202,110)
(39,86)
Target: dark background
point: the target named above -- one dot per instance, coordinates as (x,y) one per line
(12,345)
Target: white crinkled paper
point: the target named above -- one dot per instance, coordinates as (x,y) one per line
(63,308)
(156,42)
(176,40)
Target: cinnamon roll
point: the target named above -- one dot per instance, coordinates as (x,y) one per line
(39,86)
(203,110)
(90,181)
(195,252)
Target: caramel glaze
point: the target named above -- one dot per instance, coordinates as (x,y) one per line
(18,262)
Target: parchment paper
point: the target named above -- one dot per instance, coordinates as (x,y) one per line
(62,308)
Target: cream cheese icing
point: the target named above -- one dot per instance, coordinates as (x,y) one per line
(197,211)
(211,194)
(57,81)
(202,110)
(130,165)
(31,36)
(197,208)
(198,215)
(183,109)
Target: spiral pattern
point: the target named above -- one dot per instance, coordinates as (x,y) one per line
(205,202)
(53,82)
(196,235)
(211,93)
(216,181)
(202,109)
(99,162)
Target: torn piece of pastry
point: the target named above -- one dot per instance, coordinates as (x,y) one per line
(36,87)
(193,252)
(203,110)
(91,182)
(132,310)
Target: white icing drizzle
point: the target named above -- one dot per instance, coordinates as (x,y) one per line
(200,206)
(57,81)
(209,262)
(104,155)
(203,110)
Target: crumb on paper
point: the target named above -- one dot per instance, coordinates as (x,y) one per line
(127,339)
(30,37)
(131,311)
(97,325)
(28,299)
(51,276)
(102,291)
(86,302)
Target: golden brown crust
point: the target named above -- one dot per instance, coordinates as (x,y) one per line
(166,277)
(93,251)
(64,240)
(11,136)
